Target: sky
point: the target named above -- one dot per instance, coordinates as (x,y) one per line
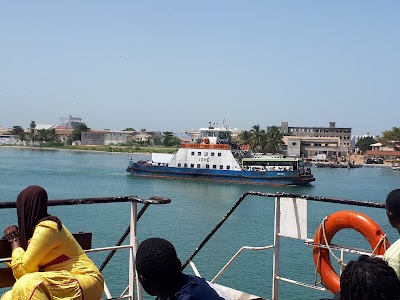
(178,65)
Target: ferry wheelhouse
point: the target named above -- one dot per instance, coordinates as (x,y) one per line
(216,157)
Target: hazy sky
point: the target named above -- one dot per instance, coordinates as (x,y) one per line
(176,65)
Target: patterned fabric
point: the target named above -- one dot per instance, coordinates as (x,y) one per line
(54,266)
(392,256)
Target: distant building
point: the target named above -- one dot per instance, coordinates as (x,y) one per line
(71,122)
(184,138)
(64,134)
(388,152)
(106,137)
(6,138)
(194,134)
(310,141)
(44,126)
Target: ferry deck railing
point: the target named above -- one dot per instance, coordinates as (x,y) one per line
(275,247)
(129,292)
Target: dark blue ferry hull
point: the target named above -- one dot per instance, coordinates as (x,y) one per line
(245,177)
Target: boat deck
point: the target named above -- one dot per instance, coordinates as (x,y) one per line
(290,221)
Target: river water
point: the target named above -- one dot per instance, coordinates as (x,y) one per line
(195,210)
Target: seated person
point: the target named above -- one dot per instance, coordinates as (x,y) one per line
(369,278)
(47,261)
(159,272)
(392,255)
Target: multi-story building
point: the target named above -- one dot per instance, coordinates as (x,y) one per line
(106,137)
(310,141)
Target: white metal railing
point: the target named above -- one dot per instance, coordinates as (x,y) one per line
(129,292)
(278,235)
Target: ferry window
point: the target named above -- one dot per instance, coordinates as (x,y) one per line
(221,167)
(192,165)
(199,153)
(212,153)
(210,134)
(192,153)
(219,153)
(228,167)
(179,165)
(214,166)
(205,153)
(198,165)
(207,166)
(185,165)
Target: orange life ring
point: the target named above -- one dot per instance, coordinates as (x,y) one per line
(335,222)
(206,141)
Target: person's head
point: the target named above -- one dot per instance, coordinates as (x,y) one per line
(31,208)
(393,208)
(369,278)
(157,265)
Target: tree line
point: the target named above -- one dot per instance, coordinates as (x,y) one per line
(42,136)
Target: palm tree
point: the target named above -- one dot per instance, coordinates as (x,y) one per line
(258,135)
(18,130)
(274,140)
(41,136)
(51,136)
(32,127)
(245,137)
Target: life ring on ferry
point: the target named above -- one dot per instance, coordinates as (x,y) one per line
(329,227)
(206,141)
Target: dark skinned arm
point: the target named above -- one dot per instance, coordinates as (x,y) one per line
(11,233)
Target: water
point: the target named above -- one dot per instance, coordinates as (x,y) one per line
(195,210)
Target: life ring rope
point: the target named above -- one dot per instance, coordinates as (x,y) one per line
(382,240)
(339,261)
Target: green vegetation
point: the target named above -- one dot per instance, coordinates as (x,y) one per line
(390,136)
(364,144)
(170,140)
(33,136)
(77,133)
(113,148)
(261,140)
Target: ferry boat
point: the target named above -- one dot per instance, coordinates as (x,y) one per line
(216,157)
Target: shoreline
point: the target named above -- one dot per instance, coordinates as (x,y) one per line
(78,150)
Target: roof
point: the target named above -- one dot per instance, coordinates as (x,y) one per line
(66,131)
(383,153)
(376,145)
(44,126)
(183,136)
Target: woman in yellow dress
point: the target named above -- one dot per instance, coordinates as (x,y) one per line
(47,261)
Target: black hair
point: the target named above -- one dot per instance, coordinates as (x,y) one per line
(369,278)
(393,202)
(157,261)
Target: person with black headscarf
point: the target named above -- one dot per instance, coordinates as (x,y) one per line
(47,261)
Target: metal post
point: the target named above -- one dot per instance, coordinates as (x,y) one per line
(132,254)
(275,264)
